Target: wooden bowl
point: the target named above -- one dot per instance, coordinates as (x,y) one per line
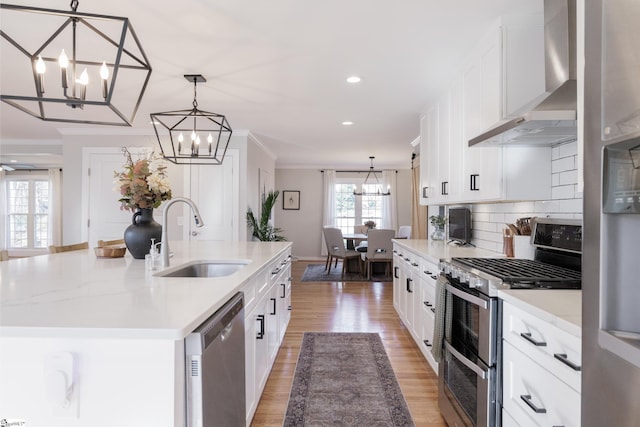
(110,251)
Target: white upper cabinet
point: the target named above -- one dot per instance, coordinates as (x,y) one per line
(503,77)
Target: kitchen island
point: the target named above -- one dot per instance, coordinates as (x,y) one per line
(122,325)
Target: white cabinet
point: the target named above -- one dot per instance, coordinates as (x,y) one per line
(266,321)
(502,77)
(541,371)
(414,298)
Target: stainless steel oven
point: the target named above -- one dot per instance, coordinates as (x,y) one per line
(468,377)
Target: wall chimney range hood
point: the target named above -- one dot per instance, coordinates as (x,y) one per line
(552,121)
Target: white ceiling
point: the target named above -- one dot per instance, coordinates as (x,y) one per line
(278,69)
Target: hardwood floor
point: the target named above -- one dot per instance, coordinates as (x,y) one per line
(349,307)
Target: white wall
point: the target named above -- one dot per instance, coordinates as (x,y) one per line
(489,219)
(304,227)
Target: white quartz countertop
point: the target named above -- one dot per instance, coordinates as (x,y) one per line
(560,307)
(438,250)
(76,294)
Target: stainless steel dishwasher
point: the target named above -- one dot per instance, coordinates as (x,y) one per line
(215,377)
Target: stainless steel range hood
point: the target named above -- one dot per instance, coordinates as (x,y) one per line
(552,121)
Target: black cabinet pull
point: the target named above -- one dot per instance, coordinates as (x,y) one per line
(427,343)
(443,188)
(473,185)
(434,277)
(527,336)
(274,306)
(433,310)
(428,273)
(261,330)
(276,270)
(414,264)
(409,285)
(395,273)
(564,359)
(284,290)
(527,400)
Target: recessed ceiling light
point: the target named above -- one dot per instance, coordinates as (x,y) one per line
(347,123)
(353,79)
(13,161)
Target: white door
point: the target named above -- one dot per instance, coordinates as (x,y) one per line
(104,219)
(214,189)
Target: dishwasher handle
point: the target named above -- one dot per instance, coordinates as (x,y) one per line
(221,320)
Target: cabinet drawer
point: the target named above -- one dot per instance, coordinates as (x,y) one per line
(554,349)
(507,420)
(534,396)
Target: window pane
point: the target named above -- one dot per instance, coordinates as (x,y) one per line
(18,197)
(41,231)
(345,207)
(372,209)
(42,197)
(18,231)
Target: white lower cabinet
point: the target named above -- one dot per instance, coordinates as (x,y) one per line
(414,298)
(541,372)
(266,322)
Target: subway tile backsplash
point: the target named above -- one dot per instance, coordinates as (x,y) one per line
(489,219)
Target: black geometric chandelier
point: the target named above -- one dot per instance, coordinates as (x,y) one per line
(369,188)
(88,69)
(193,136)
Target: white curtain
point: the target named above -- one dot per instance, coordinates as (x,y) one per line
(55,207)
(329,205)
(389,203)
(3,211)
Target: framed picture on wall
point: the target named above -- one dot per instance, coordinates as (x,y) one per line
(290,200)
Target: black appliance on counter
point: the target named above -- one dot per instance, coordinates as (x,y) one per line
(470,369)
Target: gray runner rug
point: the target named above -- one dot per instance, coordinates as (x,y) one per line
(345,379)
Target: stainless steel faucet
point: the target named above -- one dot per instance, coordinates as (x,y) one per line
(164,245)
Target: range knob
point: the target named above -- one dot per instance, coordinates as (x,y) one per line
(463,277)
(476,282)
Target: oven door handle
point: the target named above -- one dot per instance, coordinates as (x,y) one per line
(467,297)
(468,363)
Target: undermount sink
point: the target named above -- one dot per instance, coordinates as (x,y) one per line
(204,269)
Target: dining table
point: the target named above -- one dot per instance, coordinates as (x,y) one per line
(353,240)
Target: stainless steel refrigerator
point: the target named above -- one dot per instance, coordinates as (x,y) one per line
(611,232)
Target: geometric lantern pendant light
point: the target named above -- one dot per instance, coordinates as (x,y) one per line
(193,136)
(89,69)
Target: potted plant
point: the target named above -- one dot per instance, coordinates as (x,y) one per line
(263,230)
(438,222)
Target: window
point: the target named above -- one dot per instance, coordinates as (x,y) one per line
(27,213)
(355,210)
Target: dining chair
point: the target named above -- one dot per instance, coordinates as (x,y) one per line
(379,249)
(103,243)
(68,248)
(404,232)
(337,249)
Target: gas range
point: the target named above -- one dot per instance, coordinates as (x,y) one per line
(488,275)
(469,379)
(557,263)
